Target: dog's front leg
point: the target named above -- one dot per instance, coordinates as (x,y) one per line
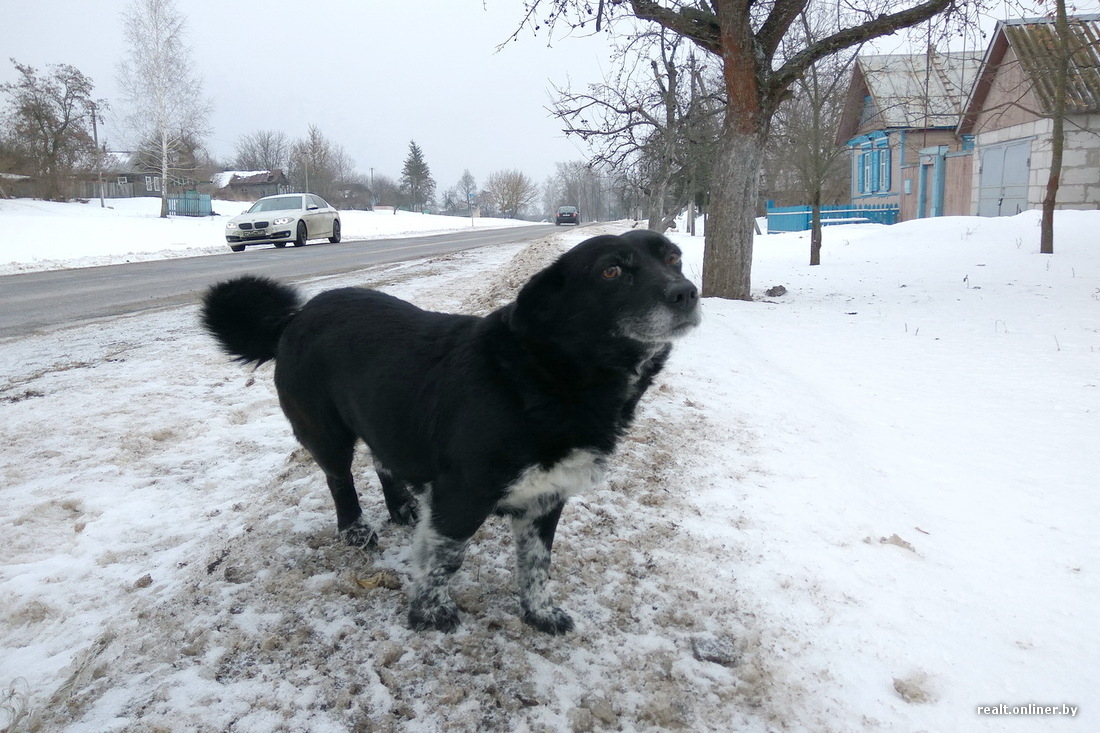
(439,547)
(534,537)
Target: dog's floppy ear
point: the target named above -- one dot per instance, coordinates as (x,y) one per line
(537,302)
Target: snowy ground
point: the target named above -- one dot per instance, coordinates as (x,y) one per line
(866,505)
(44,235)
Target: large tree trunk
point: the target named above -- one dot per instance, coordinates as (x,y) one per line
(727,258)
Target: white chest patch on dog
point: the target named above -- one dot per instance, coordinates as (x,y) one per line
(578,471)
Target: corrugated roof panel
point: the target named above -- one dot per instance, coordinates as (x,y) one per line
(1036,44)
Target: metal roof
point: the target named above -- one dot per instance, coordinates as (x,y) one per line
(919,90)
(1036,43)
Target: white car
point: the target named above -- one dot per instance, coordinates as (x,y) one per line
(290,217)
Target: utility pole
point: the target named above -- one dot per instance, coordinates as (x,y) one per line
(98,156)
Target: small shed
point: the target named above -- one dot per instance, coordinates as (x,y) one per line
(250,185)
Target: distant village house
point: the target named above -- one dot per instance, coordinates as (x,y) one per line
(942,134)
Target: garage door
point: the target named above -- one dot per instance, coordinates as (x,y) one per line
(1004,174)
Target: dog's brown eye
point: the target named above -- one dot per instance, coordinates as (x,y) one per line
(612,272)
(673,259)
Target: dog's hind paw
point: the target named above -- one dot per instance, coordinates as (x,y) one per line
(360,534)
(440,618)
(551,620)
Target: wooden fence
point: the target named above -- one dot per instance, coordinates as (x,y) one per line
(798,218)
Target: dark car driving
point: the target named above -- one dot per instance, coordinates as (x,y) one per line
(567,215)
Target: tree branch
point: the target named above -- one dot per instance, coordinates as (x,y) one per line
(879,26)
(697,25)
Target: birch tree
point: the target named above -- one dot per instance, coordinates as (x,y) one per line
(161,88)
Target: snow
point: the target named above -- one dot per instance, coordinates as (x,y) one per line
(44,235)
(867,504)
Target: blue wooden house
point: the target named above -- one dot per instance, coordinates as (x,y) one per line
(900,123)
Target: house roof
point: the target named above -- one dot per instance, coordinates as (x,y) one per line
(1033,41)
(909,91)
(247,178)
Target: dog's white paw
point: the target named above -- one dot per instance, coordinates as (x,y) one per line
(442,617)
(549,620)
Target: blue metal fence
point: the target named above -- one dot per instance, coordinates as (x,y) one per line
(797,218)
(190,204)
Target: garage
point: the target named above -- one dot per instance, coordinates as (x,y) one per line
(1004,178)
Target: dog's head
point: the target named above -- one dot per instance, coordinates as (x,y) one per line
(628,286)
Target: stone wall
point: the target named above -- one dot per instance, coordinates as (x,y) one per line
(1080,185)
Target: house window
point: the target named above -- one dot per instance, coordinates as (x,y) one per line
(873,174)
(868,110)
(152,183)
(123,180)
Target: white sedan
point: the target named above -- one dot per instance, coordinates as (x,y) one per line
(291,217)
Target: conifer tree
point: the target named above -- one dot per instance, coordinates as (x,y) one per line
(417,184)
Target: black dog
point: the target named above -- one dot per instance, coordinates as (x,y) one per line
(465,416)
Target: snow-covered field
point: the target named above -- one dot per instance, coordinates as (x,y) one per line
(44,235)
(866,505)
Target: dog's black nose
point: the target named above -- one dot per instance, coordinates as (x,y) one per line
(682,294)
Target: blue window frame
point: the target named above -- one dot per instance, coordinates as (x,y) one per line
(873,170)
(883,170)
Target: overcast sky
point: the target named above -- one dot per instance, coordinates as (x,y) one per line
(371,74)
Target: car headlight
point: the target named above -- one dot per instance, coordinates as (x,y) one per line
(282,220)
(231,225)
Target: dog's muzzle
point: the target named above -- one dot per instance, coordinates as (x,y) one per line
(683,295)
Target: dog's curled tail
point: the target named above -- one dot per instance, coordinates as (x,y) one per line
(247,315)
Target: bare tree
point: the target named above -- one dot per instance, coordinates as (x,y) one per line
(385,190)
(1061,53)
(648,116)
(804,129)
(510,192)
(573,184)
(161,87)
(746,36)
(317,165)
(467,190)
(263,150)
(49,124)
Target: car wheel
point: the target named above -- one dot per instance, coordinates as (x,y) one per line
(335,232)
(300,241)
(237,247)
(280,245)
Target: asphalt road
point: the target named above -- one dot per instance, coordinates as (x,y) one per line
(40,301)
